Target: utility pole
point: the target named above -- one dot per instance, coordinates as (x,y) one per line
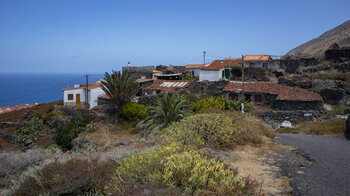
(242,105)
(87,93)
(204,57)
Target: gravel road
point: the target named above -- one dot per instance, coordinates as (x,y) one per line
(320,165)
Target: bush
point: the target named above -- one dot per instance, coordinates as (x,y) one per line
(216,130)
(236,71)
(67,132)
(13,163)
(70,177)
(235,105)
(173,166)
(54,113)
(208,103)
(132,111)
(29,131)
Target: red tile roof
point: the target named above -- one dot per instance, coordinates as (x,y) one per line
(257,58)
(220,64)
(194,66)
(170,86)
(142,80)
(82,86)
(6,109)
(282,92)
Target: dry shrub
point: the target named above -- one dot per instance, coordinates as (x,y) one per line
(12,163)
(73,177)
(216,130)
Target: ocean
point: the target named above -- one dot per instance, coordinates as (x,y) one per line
(31,88)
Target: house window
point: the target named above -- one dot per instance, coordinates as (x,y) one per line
(70,96)
(264,65)
(258,98)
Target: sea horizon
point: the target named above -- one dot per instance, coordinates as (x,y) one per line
(31,88)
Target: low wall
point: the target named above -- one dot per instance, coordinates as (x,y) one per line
(298,105)
(280,116)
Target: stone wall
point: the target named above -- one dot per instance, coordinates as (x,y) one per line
(292,65)
(298,105)
(213,88)
(278,115)
(144,71)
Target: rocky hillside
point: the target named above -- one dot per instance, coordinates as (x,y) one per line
(316,47)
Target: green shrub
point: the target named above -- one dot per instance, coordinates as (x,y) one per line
(67,132)
(132,111)
(236,71)
(29,131)
(208,103)
(216,130)
(235,105)
(191,98)
(55,112)
(173,166)
(190,78)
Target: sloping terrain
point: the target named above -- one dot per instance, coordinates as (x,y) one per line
(316,47)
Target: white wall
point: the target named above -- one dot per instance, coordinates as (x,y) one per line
(209,75)
(93,96)
(195,72)
(74,92)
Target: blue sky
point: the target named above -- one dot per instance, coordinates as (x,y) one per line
(72,36)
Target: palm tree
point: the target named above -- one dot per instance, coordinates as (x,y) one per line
(169,109)
(121,88)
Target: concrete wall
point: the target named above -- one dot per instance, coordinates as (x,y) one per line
(209,75)
(195,71)
(93,96)
(145,71)
(74,92)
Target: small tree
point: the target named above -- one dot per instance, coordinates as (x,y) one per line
(236,71)
(169,109)
(121,88)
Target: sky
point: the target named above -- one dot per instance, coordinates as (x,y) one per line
(85,36)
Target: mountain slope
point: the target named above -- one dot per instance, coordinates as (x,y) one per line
(316,47)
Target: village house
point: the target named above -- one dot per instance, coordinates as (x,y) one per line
(194,69)
(76,96)
(168,86)
(275,95)
(6,109)
(261,61)
(218,70)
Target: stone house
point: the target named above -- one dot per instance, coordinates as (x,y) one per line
(144,83)
(261,61)
(218,70)
(275,95)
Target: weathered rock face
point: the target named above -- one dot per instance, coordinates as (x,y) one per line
(149,100)
(209,88)
(347,133)
(4,125)
(332,95)
(344,67)
(72,111)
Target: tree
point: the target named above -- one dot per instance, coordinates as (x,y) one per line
(236,71)
(121,88)
(169,109)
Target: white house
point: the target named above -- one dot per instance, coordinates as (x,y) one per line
(76,96)
(218,70)
(194,68)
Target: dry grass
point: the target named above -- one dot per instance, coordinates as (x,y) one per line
(331,127)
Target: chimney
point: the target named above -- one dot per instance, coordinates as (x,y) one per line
(129,64)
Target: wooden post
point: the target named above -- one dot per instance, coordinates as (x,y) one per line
(242,76)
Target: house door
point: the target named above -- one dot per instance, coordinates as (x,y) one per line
(227,73)
(77,99)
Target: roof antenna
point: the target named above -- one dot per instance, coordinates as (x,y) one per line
(204,57)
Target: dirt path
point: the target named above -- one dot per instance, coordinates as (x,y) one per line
(320,165)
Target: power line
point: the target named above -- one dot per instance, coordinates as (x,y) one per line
(40,91)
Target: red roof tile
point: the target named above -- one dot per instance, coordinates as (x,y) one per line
(282,92)
(257,58)
(220,64)
(194,66)
(82,86)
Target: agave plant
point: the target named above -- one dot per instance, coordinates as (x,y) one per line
(169,109)
(121,88)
